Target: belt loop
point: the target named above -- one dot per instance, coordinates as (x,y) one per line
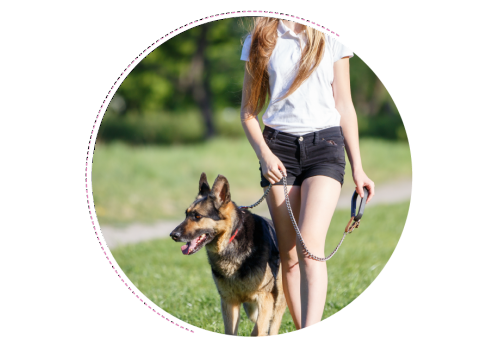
(316,137)
(275,134)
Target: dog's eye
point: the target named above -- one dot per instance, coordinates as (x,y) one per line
(197,216)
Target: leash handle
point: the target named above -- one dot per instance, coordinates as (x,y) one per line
(352,224)
(361,206)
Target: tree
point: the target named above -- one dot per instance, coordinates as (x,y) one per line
(199,80)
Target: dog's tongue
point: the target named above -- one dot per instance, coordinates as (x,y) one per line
(189,246)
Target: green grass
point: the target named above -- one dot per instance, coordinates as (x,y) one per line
(148,183)
(183,286)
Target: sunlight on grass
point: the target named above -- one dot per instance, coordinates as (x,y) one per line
(147,183)
(183,285)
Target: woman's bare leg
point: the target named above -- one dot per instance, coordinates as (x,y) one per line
(286,236)
(319,196)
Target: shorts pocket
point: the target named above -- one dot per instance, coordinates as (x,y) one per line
(336,139)
(335,147)
(268,138)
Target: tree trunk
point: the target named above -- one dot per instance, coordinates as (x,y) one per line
(201,85)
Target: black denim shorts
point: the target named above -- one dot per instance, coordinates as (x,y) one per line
(321,153)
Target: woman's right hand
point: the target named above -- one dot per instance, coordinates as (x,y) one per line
(271,167)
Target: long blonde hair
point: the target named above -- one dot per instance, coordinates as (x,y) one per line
(263,40)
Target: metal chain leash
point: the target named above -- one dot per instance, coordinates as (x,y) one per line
(259,201)
(350,227)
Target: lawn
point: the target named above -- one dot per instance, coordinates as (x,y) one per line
(183,286)
(148,183)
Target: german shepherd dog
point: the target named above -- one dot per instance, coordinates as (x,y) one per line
(242,250)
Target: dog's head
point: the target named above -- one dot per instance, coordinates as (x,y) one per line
(209,217)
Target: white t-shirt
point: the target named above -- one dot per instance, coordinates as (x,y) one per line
(311,107)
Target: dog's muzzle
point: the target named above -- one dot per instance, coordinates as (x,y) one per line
(175,235)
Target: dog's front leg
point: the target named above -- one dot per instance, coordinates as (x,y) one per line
(262,325)
(231,316)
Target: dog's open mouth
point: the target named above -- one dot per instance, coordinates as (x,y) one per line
(194,245)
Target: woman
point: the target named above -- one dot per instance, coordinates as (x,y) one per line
(309,121)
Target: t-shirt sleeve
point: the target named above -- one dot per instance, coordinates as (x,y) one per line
(340,51)
(246,48)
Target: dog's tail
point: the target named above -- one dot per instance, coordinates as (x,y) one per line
(251,310)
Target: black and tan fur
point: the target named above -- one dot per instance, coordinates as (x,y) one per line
(247,269)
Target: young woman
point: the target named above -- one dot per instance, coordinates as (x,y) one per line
(309,121)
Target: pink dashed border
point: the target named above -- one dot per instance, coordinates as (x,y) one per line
(97,121)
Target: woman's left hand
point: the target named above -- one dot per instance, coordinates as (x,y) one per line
(362,180)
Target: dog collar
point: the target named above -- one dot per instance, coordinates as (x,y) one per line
(236,232)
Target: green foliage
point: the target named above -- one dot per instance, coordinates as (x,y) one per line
(183,286)
(158,94)
(382,126)
(153,127)
(160,81)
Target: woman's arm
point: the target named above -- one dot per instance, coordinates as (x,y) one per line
(344,105)
(270,164)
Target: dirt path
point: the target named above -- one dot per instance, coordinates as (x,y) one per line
(388,193)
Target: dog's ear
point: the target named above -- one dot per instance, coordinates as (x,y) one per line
(204,186)
(220,190)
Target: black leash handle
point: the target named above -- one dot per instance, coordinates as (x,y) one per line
(361,206)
